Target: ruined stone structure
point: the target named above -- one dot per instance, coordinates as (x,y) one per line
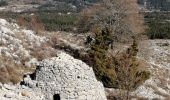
(66,78)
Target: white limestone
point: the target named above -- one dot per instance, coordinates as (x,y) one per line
(15,41)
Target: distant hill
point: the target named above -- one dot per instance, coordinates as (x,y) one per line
(74,2)
(57,4)
(162,5)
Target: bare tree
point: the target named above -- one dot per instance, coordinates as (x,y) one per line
(21,21)
(126,20)
(36,25)
(129,76)
(121,15)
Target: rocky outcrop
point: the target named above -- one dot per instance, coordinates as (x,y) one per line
(15,43)
(69,79)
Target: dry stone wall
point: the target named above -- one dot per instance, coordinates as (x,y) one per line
(69,79)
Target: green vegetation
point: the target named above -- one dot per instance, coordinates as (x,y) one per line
(102,65)
(9,15)
(76,2)
(119,72)
(3,3)
(159,30)
(55,22)
(129,76)
(159,25)
(52,21)
(163,5)
(57,8)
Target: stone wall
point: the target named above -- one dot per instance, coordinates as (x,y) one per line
(69,78)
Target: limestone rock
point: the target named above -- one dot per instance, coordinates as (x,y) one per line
(9,87)
(10,95)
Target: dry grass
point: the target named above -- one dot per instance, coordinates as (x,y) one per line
(156,90)
(42,52)
(10,72)
(39,52)
(13,61)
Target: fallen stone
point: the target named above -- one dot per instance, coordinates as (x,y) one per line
(10,95)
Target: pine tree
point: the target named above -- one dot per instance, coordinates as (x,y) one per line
(129,77)
(97,57)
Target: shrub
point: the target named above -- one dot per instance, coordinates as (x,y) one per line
(31,22)
(42,52)
(9,71)
(3,3)
(97,57)
(3,75)
(102,66)
(158,25)
(158,29)
(21,21)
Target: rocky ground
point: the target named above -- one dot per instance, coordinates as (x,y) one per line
(157,55)
(16,42)
(18,92)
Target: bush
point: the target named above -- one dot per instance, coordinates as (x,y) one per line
(158,29)
(3,3)
(158,25)
(42,52)
(102,65)
(8,71)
